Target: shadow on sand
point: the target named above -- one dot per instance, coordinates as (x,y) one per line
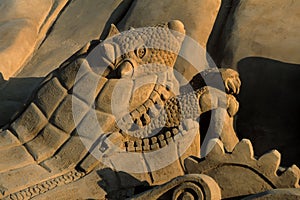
(269,112)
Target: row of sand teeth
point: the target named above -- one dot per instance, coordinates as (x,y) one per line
(176,109)
(153,143)
(151,108)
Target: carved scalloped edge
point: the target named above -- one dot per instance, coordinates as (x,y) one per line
(267,165)
(207,185)
(45,186)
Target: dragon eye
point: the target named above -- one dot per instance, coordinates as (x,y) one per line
(140,52)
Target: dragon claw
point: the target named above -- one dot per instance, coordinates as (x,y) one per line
(232,81)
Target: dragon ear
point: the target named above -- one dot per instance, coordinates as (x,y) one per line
(176,25)
(112,31)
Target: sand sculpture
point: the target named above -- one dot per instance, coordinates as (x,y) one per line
(127,84)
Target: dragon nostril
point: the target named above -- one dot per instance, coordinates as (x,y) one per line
(125,70)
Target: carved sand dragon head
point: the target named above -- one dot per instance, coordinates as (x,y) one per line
(138,65)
